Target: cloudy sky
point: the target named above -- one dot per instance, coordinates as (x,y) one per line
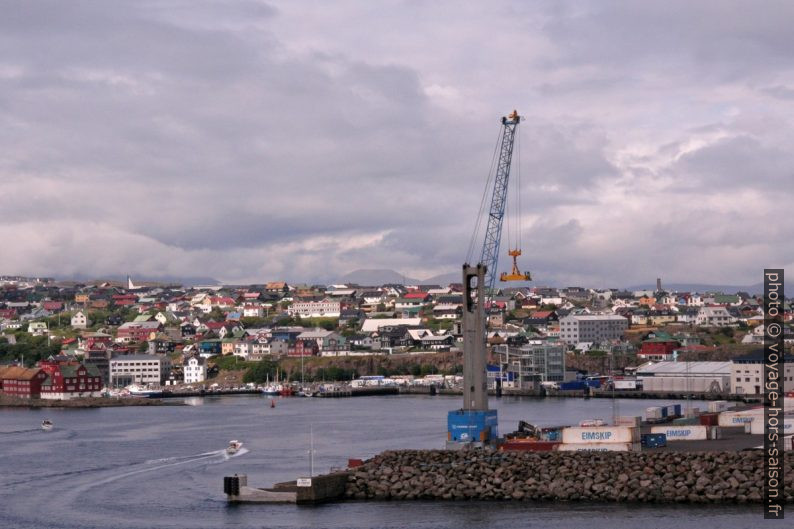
(258,140)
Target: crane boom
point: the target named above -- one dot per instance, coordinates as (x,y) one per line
(493,233)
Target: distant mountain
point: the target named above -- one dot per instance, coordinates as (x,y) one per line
(756,289)
(142,280)
(382,276)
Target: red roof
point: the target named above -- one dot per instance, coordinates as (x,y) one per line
(542,313)
(52,305)
(417,295)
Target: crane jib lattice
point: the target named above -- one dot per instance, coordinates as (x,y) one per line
(493,233)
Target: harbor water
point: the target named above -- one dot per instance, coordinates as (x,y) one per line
(163,467)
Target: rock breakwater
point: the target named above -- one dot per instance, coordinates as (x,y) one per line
(663,477)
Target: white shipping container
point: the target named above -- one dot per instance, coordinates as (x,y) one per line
(653,413)
(592,422)
(625,384)
(788,443)
(757,425)
(715,432)
(683,432)
(739,418)
(599,447)
(600,434)
(717,406)
(625,420)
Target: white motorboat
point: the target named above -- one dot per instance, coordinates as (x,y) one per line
(137,390)
(47,425)
(234,447)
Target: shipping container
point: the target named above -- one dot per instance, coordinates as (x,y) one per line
(593,383)
(757,425)
(717,406)
(653,440)
(601,434)
(653,413)
(572,385)
(599,447)
(625,420)
(739,418)
(686,420)
(710,419)
(527,445)
(625,384)
(592,422)
(693,432)
(692,412)
(715,432)
(788,443)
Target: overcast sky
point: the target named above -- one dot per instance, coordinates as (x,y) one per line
(254,141)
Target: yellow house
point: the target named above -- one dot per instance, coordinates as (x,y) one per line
(81,298)
(647,300)
(227,346)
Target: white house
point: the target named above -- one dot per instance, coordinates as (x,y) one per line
(37,328)
(195,370)
(714,317)
(79,321)
(317,309)
(253,311)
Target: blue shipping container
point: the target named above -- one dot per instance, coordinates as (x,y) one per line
(593,383)
(653,440)
(472,426)
(572,385)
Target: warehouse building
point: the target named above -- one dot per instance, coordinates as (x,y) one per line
(685,377)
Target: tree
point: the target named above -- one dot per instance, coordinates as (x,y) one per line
(262,371)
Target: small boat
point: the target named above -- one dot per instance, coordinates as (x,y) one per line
(270,390)
(137,390)
(47,425)
(234,447)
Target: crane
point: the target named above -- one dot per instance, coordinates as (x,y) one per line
(475,423)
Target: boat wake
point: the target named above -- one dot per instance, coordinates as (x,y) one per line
(27,430)
(216,456)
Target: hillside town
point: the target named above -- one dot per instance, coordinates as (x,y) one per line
(65,339)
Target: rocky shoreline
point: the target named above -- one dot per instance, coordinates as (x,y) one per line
(663,477)
(82,402)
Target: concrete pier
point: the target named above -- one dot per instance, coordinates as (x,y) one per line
(318,489)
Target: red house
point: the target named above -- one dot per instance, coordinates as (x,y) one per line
(303,348)
(95,340)
(21,381)
(70,379)
(137,331)
(658,349)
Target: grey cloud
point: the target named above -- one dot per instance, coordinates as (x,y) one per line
(247,141)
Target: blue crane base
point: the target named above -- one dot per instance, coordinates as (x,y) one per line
(467,427)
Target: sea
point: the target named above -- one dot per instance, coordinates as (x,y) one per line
(163,466)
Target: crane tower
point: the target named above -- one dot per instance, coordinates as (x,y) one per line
(474,423)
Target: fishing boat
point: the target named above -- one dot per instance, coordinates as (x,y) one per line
(47,425)
(234,447)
